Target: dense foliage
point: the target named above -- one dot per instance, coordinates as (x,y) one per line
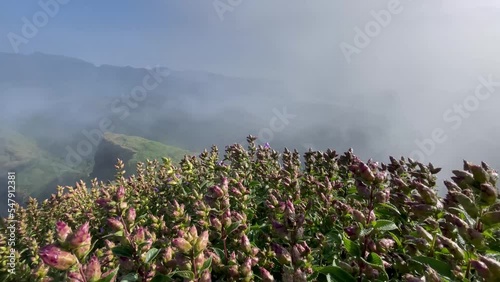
(258,215)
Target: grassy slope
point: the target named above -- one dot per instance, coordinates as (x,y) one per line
(35,168)
(146,149)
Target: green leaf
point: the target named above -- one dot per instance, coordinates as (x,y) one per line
(232,227)
(376,262)
(117,234)
(391,207)
(384,225)
(151,254)
(365,232)
(110,276)
(206,265)
(131,277)
(184,274)
(336,273)
(396,239)
(123,251)
(373,258)
(441,267)
(351,247)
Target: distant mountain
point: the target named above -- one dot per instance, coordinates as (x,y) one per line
(63,105)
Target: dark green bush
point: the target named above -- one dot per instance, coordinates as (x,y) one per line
(259,215)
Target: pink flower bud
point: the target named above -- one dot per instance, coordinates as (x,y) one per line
(215,222)
(201,242)
(93,269)
(216,191)
(120,193)
(131,214)
(182,245)
(492,264)
(482,270)
(245,243)
(115,224)
(366,173)
(63,230)
(53,256)
(266,275)
(488,194)
(246,268)
(80,237)
(139,235)
(386,244)
(480,175)
(282,254)
(75,276)
(206,276)
(358,216)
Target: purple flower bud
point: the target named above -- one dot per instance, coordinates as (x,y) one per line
(80,237)
(139,235)
(192,233)
(102,202)
(363,190)
(383,196)
(386,244)
(358,216)
(215,222)
(366,173)
(120,194)
(131,214)
(182,245)
(63,230)
(492,264)
(74,276)
(453,247)
(488,194)
(216,191)
(93,269)
(290,208)
(201,242)
(246,268)
(296,255)
(57,258)
(482,270)
(279,228)
(266,275)
(225,184)
(479,173)
(352,231)
(206,276)
(245,243)
(282,254)
(115,224)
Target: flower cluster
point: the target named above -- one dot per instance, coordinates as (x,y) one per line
(260,215)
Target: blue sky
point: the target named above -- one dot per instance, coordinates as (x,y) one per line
(295,39)
(180,34)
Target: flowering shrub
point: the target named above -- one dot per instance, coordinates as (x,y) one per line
(259,215)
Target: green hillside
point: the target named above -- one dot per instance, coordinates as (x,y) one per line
(38,172)
(145,149)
